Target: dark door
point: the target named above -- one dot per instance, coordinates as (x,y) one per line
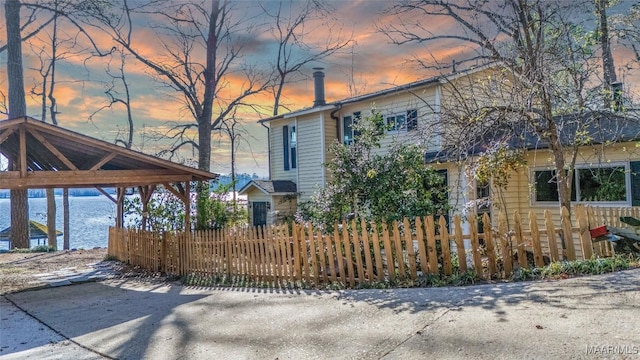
(259,213)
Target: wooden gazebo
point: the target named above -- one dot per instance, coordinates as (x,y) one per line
(48,156)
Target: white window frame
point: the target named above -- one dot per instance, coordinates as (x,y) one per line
(293,163)
(352,116)
(576,184)
(395,130)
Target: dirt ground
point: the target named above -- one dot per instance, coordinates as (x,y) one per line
(18,270)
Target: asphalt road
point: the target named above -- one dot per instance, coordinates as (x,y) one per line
(127,319)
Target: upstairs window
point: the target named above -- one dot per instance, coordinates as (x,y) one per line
(289,146)
(348,133)
(293,147)
(402,122)
(396,123)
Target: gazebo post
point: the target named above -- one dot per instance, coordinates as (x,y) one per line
(120,207)
(187,206)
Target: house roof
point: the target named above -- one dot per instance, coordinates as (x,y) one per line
(271,187)
(400,88)
(597,127)
(51,156)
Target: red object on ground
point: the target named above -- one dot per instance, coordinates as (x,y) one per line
(598,231)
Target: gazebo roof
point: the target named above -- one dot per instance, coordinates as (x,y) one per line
(50,156)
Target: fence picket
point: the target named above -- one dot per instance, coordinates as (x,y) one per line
(377,255)
(445,245)
(432,251)
(411,254)
(551,236)
(488,242)
(388,252)
(313,256)
(399,253)
(505,244)
(422,248)
(567,235)
(535,239)
(584,235)
(357,251)
(331,258)
(339,258)
(522,257)
(462,256)
(347,252)
(367,250)
(475,244)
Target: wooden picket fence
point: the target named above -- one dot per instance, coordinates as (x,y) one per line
(360,252)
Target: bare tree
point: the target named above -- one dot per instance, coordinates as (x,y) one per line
(119,79)
(541,61)
(17,108)
(199,51)
(292,27)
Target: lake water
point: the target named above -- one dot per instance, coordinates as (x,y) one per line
(89,219)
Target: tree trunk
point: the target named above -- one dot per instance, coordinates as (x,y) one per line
(19,219)
(17,108)
(65,211)
(51,219)
(609,70)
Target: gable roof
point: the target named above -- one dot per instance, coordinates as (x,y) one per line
(271,187)
(58,157)
(438,79)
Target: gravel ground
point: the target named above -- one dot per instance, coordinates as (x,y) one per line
(18,271)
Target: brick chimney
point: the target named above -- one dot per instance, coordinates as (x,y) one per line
(318,84)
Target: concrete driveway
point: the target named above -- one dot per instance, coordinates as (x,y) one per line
(128,319)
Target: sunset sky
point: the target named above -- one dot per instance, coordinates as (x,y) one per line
(371,61)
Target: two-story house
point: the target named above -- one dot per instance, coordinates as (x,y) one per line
(298,141)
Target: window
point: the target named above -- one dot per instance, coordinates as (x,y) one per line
(398,122)
(598,184)
(289,146)
(293,146)
(348,133)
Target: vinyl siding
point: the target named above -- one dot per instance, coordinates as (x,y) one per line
(277,152)
(421,99)
(310,159)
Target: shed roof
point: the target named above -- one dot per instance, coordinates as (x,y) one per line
(271,187)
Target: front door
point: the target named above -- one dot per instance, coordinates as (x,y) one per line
(259,213)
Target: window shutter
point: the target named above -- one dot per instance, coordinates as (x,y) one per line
(285,146)
(635,183)
(412,119)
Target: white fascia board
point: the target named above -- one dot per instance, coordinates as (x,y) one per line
(308,111)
